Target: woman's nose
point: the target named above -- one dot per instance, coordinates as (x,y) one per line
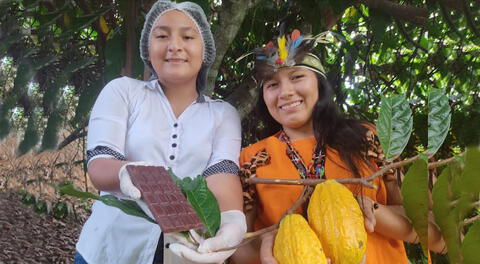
(175,44)
(286,89)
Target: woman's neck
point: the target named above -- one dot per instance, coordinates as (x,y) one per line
(180,96)
(299,133)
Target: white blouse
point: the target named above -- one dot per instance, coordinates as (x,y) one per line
(133,120)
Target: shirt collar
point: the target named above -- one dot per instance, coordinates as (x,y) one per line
(154,84)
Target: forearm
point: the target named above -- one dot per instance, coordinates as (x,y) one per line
(392,223)
(228,191)
(247,254)
(103,173)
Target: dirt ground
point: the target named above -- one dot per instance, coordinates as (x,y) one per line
(28,237)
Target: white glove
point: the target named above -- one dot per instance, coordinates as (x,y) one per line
(126,186)
(129,190)
(231,232)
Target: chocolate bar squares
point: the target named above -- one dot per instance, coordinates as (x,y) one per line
(165,200)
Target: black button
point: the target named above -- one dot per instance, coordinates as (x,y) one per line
(175,125)
(174,136)
(174,145)
(172,157)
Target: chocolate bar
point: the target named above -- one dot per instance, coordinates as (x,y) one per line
(165,200)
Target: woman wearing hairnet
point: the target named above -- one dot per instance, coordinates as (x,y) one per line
(165,121)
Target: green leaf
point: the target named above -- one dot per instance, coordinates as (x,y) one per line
(203,202)
(438,119)
(127,206)
(70,190)
(394,125)
(471,172)
(415,199)
(114,56)
(379,23)
(445,214)
(471,245)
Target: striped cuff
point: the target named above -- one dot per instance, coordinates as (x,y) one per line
(104,151)
(224,166)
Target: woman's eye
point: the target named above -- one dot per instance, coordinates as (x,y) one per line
(295,77)
(188,37)
(161,36)
(270,85)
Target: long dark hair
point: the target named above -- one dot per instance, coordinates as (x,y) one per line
(331,128)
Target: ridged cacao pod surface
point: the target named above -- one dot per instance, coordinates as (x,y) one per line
(297,243)
(336,218)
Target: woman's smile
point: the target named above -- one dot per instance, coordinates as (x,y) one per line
(291,106)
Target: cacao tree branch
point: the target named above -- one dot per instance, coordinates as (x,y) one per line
(433,165)
(309,182)
(362,181)
(470,220)
(475,204)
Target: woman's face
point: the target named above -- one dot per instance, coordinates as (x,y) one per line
(290,96)
(175,48)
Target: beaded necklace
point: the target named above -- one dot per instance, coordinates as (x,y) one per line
(315,169)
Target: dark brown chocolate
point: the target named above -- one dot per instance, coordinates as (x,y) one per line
(165,200)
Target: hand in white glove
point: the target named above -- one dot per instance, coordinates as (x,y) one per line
(231,232)
(126,186)
(129,190)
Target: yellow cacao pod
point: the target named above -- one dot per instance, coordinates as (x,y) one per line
(336,218)
(296,243)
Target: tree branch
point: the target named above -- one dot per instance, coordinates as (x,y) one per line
(413,14)
(470,22)
(470,220)
(407,37)
(449,20)
(76,134)
(230,19)
(309,182)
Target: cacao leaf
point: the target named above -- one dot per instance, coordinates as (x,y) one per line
(471,172)
(69,189)
(203,201)
(127,206)
(471,244)
(415,199)
(439,118)
(394,125)
(446,216)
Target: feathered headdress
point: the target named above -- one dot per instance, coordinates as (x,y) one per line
(287,51)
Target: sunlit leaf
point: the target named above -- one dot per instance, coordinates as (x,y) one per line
(438,119)
(394,125)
